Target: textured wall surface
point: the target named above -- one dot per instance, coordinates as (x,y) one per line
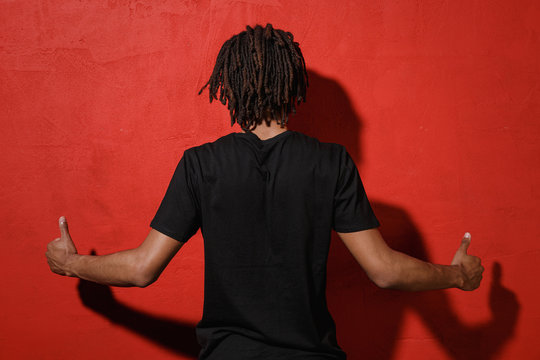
(437,101)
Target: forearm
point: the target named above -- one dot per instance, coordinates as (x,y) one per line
(140,266)
(117,269)
(395,270)
(411,274)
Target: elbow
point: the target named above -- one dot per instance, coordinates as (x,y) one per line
(142,277)
(142,282)
(384,280)
(383,283)
(388,272)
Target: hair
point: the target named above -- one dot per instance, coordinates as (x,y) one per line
(259,72)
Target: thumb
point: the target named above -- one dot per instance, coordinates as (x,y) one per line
(465,242)
(64,231)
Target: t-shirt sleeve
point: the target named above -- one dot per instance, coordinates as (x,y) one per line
(178,214)
(352,211)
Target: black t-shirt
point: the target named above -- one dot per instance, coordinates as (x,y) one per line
(266,209)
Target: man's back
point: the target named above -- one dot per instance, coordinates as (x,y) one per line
(266,209)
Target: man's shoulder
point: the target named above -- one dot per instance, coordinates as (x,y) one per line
(312,143)
(314,140)
(297,139)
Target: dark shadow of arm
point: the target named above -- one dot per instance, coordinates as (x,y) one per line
(372,329)
(461,341)
(176,336)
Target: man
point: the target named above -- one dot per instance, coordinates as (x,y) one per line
(266,201)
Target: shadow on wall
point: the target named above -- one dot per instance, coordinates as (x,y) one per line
(178,337)
(368,319)
(171,334)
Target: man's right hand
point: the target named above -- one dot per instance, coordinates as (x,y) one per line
(470,266)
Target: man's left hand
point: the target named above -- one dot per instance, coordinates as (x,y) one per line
(60,250)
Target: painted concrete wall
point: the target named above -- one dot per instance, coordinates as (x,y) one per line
(437,101)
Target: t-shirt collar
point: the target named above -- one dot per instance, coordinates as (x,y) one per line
(250,135)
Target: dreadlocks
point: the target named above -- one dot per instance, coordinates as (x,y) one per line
(259,72)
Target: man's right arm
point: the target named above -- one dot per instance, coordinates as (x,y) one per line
(392,269)
(140,266)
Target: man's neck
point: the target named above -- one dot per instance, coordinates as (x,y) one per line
(268,130)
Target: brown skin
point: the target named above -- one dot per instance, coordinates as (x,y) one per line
(268,129)
(395,270)
(387,268)
(140,266)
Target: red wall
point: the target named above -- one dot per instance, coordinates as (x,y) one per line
(438,102)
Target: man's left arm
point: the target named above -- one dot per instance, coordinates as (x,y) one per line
(140,266)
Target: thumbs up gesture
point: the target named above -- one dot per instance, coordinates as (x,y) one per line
(470,266)
(61,249)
